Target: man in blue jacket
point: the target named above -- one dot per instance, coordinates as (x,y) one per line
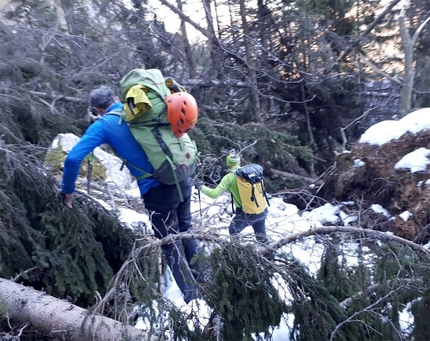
(168,214)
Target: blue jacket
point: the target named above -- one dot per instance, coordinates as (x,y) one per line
(107,130)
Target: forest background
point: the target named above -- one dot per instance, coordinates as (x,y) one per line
(292,84)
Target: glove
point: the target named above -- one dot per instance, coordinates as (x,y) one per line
(198,184)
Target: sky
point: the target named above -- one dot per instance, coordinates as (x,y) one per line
(283,218)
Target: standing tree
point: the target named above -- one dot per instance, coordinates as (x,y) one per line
(408,43)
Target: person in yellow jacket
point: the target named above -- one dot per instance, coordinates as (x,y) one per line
(241,219)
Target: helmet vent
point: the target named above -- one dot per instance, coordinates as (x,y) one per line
(182,112)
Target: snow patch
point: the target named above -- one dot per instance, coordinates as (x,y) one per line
(386,131)
(415,161)
(379,209)
(358,163)
(405,215)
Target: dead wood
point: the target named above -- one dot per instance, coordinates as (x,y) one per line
(278,173)
(61,319)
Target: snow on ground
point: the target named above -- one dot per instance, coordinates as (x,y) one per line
(379,209)
(415,161)
(386,131)
(284,218)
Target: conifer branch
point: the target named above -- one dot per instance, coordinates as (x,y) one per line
(344,229)
(346,303)
(367,309)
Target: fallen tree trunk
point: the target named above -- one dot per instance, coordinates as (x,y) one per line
(285,175)
(60,318)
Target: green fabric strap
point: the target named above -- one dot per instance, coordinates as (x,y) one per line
(145,174)
(91,157)
(176,178)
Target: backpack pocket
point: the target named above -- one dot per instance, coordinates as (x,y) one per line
(252,196)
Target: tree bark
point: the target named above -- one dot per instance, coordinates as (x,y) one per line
(408,83)
(408,43)
(250,65)
(60,318)
(285,175)
(187,46)
(67,7)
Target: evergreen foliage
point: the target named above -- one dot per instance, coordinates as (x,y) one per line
(69,253)
(51,61)
(259,144)
(243,292)
(421,312)
(316,311)
(333,272)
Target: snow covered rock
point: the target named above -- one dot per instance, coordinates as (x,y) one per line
(106,166)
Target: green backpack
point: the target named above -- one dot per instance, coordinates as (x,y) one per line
(143,93)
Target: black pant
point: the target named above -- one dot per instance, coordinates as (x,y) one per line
(169,216)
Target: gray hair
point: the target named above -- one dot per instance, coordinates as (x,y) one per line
(102,97)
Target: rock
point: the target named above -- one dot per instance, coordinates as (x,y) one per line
(106,166)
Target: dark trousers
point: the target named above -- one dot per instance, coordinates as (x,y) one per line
(169,216)
(257,221)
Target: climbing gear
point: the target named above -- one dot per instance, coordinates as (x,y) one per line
(145,111)
(90,161)
(182,112)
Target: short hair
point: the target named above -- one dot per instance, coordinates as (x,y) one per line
(102,97)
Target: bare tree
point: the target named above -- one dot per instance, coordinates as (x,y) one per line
(408,43)
(256,107)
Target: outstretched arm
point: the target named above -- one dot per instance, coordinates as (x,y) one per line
(223,186)
(92,138)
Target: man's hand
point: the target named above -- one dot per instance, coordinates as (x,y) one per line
(67,199)
(198,184)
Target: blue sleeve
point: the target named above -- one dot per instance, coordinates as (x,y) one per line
(93,137)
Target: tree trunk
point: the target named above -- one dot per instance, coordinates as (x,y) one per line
(408,43)
(312,143)
(250,65)
(187,46)
(406,92)
(277,173)
(67,7)
(60,318)
(215,56)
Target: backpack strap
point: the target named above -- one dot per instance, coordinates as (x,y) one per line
(169,157)
(232,197)
(253,198)
(264,193)
(145,174)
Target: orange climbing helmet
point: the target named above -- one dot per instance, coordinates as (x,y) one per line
(182,112)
